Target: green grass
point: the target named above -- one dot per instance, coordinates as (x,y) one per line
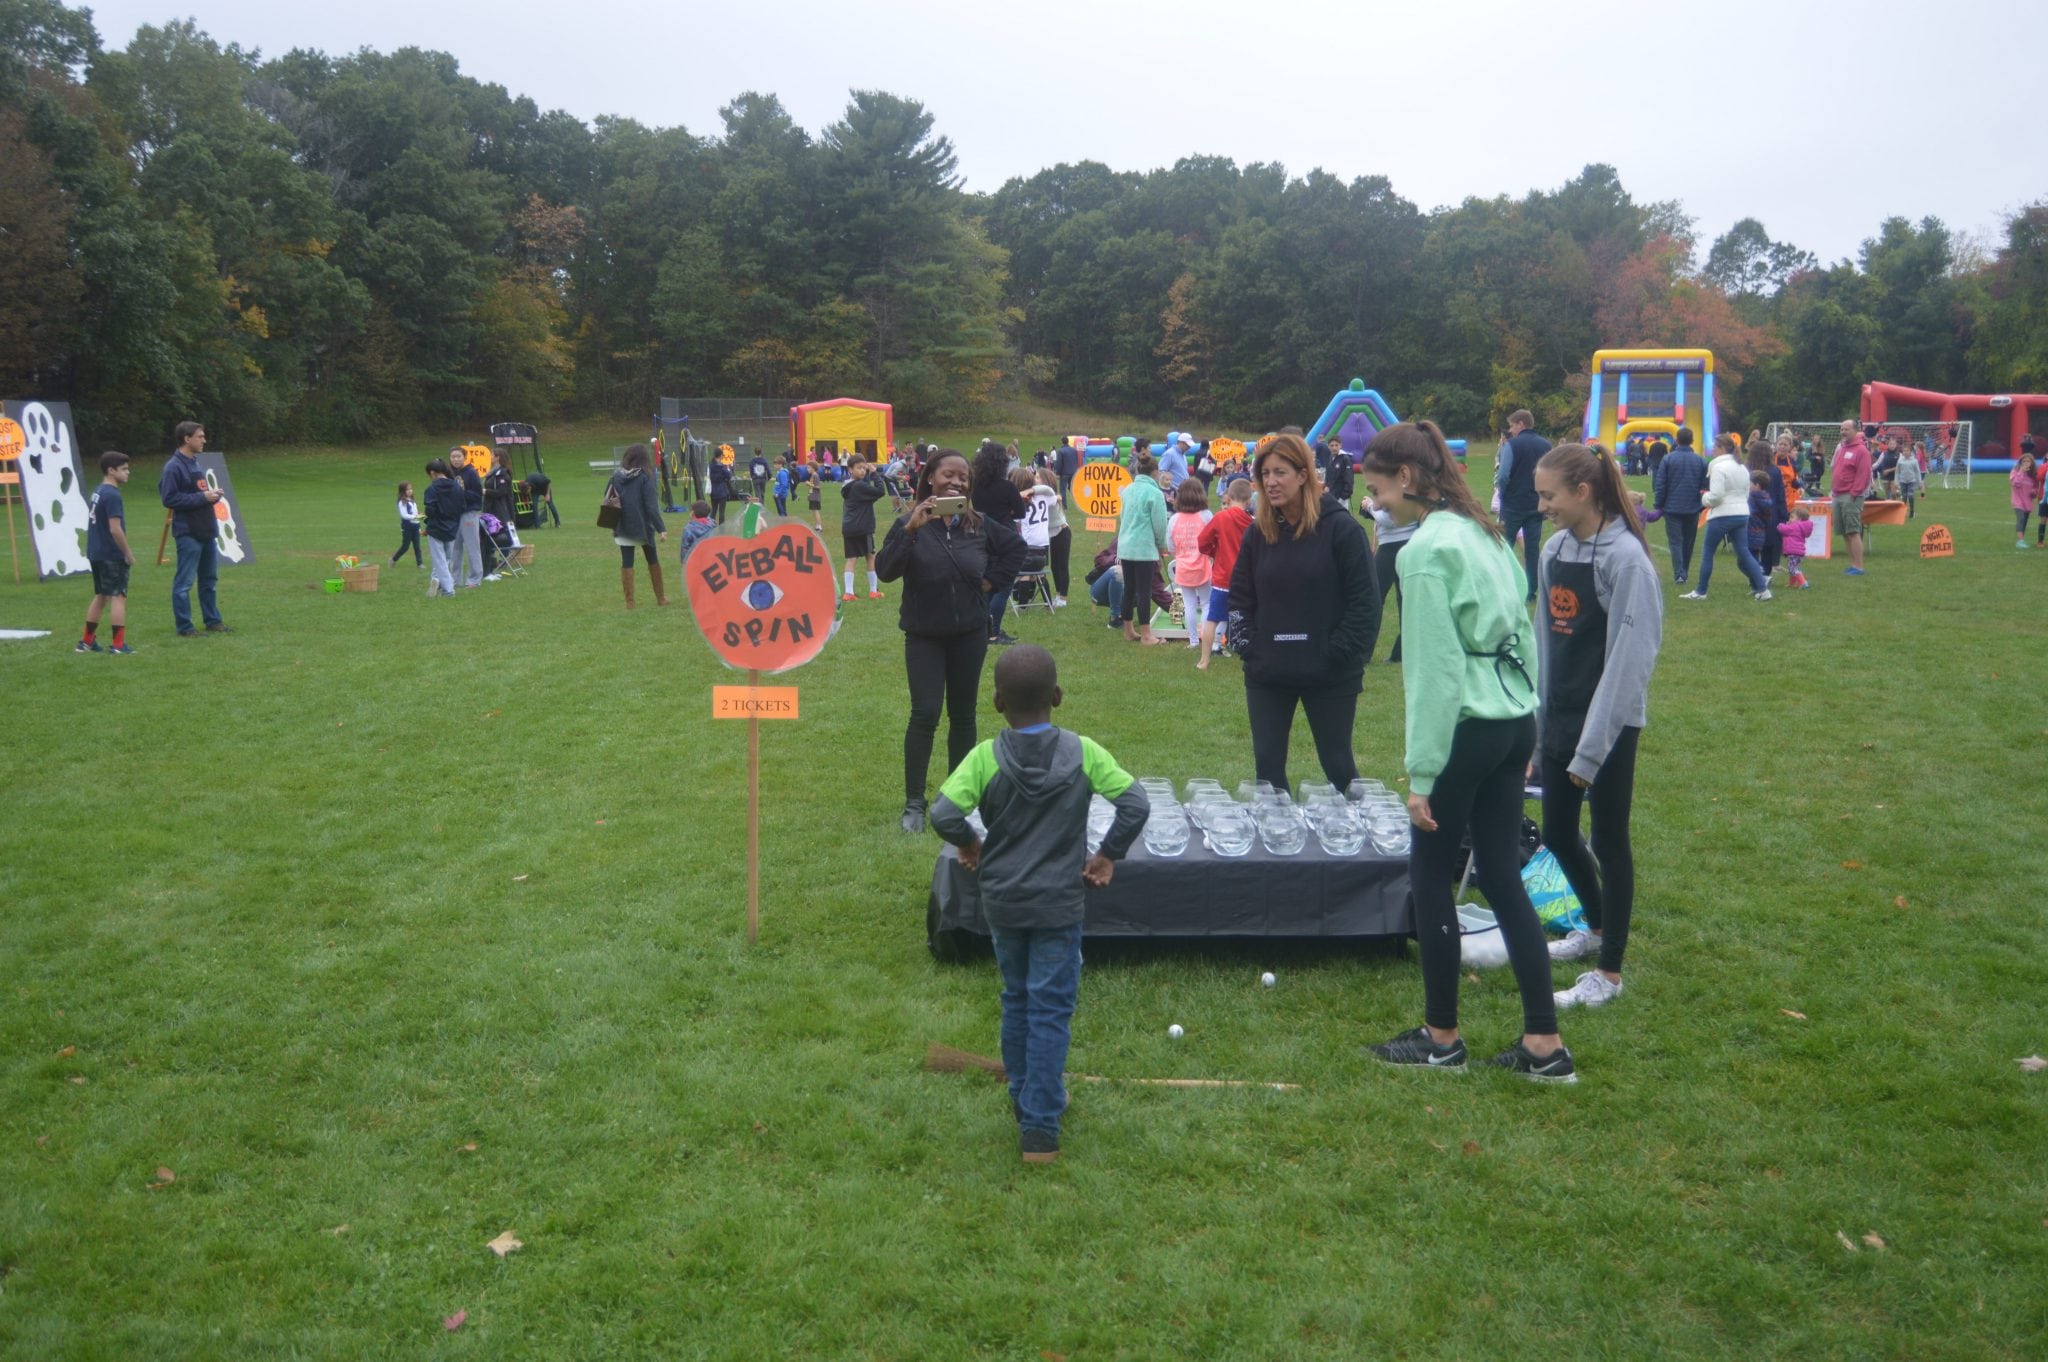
(378,878)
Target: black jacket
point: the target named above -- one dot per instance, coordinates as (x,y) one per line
(472,489)
(182,491)
(942,568)
(860,496)
(1518,492)
(1306,612)
(1001,500)
(444,509)
(498,499)
(721,481)
(639,507)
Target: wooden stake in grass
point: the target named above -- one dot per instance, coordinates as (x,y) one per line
(753,818)
(944,1059)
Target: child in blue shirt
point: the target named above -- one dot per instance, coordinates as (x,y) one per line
(781,490)
(106,548)
(701,525)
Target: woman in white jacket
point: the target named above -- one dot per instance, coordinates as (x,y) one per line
(1727,502)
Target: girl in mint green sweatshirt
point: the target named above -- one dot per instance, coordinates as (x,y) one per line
(1468,667)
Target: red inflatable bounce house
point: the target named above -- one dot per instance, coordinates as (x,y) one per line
(2018,408)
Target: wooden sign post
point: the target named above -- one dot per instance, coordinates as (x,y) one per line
(12,441)
(765,603)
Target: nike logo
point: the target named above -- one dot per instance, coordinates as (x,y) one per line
(1441,1060)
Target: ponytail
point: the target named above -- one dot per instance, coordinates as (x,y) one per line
(1439,480)
(1591,465)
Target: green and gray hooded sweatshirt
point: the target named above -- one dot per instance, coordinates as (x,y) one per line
(1032,786)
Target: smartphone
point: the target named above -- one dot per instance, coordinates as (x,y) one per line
(949,505)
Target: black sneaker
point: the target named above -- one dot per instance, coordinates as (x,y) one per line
(1039,1146)
(188,633)
(1553,1068)
(1416,1047)
(218,628)
(913,816)
(1001,637)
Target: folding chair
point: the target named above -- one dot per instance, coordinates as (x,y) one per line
(1031,582)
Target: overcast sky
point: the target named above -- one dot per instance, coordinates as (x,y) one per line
(1818,119)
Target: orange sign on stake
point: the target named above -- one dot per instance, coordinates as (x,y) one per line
(1099,487)
(1936,543)
(753,702)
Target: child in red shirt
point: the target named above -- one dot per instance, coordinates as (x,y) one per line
(1220,540)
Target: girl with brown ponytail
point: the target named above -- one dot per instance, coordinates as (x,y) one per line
(1466,668)
(1602,622)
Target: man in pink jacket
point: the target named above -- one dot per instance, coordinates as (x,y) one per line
(1850,484)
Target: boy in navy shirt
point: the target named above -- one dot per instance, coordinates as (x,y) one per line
(106,548)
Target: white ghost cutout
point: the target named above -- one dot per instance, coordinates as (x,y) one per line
(226,541)
(50,487)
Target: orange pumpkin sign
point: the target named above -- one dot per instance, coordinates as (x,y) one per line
(765,603)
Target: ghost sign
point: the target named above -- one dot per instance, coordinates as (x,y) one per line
(51,487)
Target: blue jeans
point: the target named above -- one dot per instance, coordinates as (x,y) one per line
(1041,970)
(1108,590)
(1734,529)
(198,559)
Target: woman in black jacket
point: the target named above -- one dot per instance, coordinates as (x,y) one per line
(640,522)
(1304,614)
(949,566)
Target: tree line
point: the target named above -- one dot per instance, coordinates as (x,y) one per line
(314,247)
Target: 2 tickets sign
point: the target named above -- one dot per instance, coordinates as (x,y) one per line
(765,603)
(1099,488)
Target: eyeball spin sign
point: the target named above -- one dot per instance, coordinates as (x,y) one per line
(765,602)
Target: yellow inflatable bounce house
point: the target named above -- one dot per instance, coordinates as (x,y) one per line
(1651,393)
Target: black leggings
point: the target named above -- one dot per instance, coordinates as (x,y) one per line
(411,541)
(1138,579)
(1480,788)
(1331,711)
(942,671)
(1604,878)
(626,556)
(1383,567)
(1062,545)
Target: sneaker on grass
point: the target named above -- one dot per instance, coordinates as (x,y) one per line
(1417,1047)
(1693,596)
(1039,1146)
(1593,989)
(1763,595)
(1575,944)
(1555,1067)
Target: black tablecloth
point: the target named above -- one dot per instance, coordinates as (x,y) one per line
(1199,893)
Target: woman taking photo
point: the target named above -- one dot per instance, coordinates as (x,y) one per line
(1141,541)
(950,565)
(639,522)
(1603,621)
(1466,665)
(1304,614)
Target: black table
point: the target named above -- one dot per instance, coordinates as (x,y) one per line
(1201,894)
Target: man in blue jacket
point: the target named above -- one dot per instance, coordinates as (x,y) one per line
(1067,462)
(184,493)
(1514,481)
(1680,493)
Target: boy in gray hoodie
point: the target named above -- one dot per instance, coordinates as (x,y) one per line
(1033,783)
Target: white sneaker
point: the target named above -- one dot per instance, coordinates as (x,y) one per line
(1763,595)
(1592,990)
(492,577)
(1575,944)
(1059,602)
(1692,596)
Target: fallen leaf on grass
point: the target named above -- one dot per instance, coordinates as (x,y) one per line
(455,1321)
(492,714)
(469,1148)
(2033,1064)
(1867,746)
(1795,1016)
(1470,1147)
(1050,1356)
(1439,1148)
(1852,865)
(1471,977)
(67,1052)
(164,1178)
(504,1244)
(1876,1241)
(337,1231)
(79,1079)
(1775,1174)
(1430,1110)
(42,1140)
(1847,1242)
(600,822)
(519,879)
(760,1128)
(1899,902)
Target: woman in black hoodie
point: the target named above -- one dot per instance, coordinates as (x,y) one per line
(1304,614)
(949,566)
(996,498)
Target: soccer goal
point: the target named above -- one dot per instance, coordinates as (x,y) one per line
(1949,444)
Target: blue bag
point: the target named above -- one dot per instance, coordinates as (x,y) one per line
(1548,889)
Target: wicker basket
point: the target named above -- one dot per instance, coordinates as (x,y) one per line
(360,578)
(521,556)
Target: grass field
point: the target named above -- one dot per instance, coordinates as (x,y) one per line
(390,924)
